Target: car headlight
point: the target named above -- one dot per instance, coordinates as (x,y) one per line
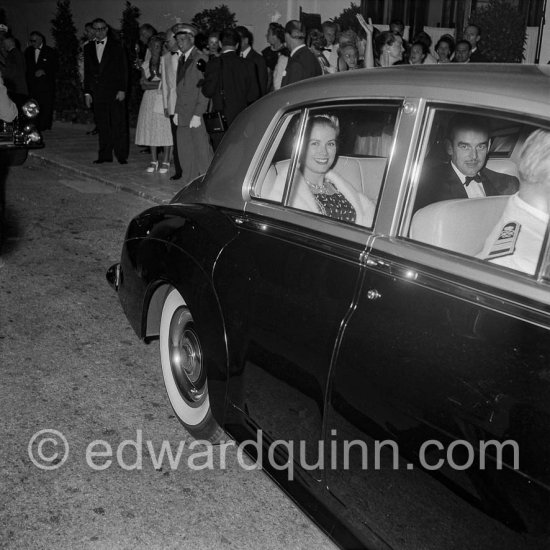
(30,108)
(33,137)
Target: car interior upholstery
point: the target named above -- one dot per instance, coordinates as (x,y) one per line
(365,174)
(458,225)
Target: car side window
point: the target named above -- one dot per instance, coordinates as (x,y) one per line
(474,197)
(330,161)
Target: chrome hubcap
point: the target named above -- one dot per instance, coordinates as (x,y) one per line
(186,356)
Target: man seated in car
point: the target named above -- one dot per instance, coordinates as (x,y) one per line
(465,174)
(517,238)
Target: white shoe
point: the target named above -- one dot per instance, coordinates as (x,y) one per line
(164,167)
(153,167)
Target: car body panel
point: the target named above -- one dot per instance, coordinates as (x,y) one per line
(323,331)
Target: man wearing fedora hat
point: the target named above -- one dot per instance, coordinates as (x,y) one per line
(194,150)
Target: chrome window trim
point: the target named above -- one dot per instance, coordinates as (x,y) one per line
(410,184)
(468,279)
(265,150)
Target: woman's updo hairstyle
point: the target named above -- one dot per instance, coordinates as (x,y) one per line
(324,119)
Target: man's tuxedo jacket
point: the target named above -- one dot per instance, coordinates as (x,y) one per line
(239,84)
(442,183)
(301,65)
(103,80)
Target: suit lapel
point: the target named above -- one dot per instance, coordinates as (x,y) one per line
(488,186)
(455,187)
(183,65)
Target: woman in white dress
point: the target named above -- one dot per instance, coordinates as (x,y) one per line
(153,126)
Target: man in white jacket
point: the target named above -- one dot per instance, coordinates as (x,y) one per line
(168,72)
(8,109)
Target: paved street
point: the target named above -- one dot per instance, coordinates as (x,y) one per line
(71,363)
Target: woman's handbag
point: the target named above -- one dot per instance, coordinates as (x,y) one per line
(215,121)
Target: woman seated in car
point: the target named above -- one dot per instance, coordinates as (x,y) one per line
(317,188)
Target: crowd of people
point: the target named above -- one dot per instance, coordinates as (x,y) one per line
(185,74)
(230,74)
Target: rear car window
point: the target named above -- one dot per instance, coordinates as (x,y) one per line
(330,161)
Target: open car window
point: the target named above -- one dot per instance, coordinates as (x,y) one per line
(467,198)
(330,161)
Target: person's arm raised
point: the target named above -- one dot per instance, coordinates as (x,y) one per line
(369,30)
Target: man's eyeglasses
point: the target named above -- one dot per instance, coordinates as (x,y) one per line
(99,28)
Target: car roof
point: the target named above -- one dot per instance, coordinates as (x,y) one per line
(520,88)
(515,80)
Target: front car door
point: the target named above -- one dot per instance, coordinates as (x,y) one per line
(439,401)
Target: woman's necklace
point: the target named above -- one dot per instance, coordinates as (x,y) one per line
(317,187)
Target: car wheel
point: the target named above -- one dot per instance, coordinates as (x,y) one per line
(183,362)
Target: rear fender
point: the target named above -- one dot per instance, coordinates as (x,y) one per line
(176,246)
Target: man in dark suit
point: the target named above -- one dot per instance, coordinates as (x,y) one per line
(302,63)
(252,56)
(472,33)
(229,81)
(105,84)
(465,175)
(41,62)
(463,49)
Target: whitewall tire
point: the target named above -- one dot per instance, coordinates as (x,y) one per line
(183,369)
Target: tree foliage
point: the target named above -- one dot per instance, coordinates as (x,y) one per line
(348,19)
(68,85)
(214,20)
(129,35)
(503,31)
(129,28)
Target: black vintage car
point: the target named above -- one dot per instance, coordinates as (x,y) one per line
(407,376)
(16,138)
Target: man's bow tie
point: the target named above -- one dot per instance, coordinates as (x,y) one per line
(476,178)
(98,42)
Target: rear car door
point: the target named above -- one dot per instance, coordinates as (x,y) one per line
(288,283)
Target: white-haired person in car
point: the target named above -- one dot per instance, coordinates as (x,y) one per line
(8,109)
(517,238)
(318,188)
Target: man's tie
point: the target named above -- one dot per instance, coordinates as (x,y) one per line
(476,178)
(98,42)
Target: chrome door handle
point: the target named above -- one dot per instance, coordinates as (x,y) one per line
(392,269)
(373,294)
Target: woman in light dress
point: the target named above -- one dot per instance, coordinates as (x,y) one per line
(153,127)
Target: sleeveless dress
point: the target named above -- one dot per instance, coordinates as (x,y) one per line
(152,129)
(336,206)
